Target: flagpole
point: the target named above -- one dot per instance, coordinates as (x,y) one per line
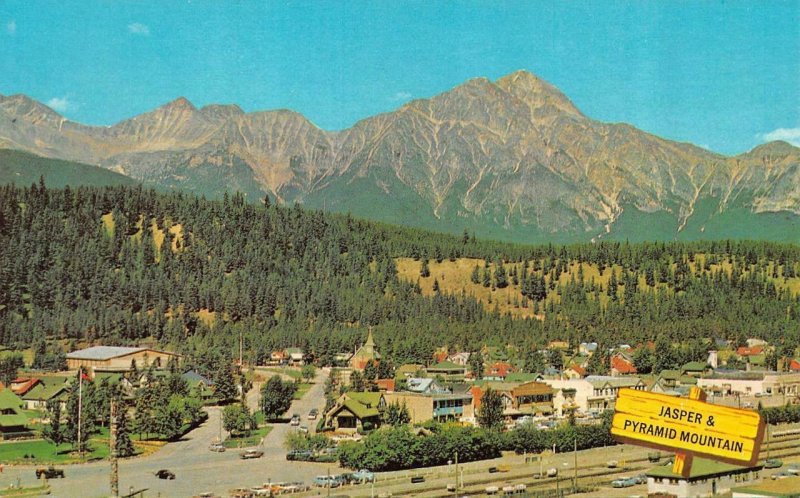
(80,403)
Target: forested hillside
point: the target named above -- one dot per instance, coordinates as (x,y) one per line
(125,265)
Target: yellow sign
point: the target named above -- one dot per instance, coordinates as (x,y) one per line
(688,426)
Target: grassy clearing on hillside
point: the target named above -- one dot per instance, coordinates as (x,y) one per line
(454,278)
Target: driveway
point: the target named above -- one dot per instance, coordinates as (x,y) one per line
(196,468)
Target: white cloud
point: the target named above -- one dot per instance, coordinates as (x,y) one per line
(400,96)
(791,135)
(60,104)
(138,28)
(11,27)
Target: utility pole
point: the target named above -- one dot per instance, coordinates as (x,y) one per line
(112,441)
(457,486)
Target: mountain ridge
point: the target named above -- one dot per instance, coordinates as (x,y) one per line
(513,158)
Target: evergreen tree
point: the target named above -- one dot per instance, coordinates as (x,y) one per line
(424,271)
(476,366)
(396,414)
(490,413)
(124,444)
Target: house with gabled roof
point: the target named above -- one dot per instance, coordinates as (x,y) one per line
(408,370)
(13,421)
(575,372)
(295,356)
(355,411)
(21,385)
(447,370)
(424,386)
(621,365)
(498,370)
(695,368)
(44,392)
(460,358)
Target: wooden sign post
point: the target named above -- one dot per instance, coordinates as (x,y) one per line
(688,427)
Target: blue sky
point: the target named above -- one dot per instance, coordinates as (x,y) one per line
(724,75)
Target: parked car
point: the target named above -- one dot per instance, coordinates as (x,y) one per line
(327,482)
(240,493)
(640,479)
(612,464)
(623,482)
(294,487)
(300,455)
(783,474)
(295,420)
(207,494)
(165,474)
(312,415)
(303,429)
(218,447)
(49,473)
(773,463)
(363,475)
(793,469)
(247,455)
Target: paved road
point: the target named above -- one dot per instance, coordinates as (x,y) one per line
(196,468)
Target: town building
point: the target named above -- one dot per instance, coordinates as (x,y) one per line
(575,372)
(50,388)
(117,359)
(447,370)
(355,411)
(706,478)
(364,355)
(295,356)
(605,390)
(498,370)
(737,383)
(408,370)
(460,358)
(621,364)
(519,399)
(443,406)
(12,419)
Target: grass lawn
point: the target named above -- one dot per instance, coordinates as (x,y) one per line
(302,389)
(294,373)
(32,491)
(45,452)
(254,439)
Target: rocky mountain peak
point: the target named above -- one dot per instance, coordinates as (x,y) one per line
(544,98)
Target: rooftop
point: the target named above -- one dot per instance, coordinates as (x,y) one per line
(702,468)
(102,353)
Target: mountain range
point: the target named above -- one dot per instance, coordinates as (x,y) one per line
(510,159)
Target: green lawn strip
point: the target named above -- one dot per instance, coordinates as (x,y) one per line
(32,491)
(290,372)
(254,439)
(302,389)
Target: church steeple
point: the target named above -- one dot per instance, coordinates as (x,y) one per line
(370,341)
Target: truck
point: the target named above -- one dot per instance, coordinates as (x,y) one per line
(49,473)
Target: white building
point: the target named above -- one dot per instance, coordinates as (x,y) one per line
(707,478)
(734,383)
